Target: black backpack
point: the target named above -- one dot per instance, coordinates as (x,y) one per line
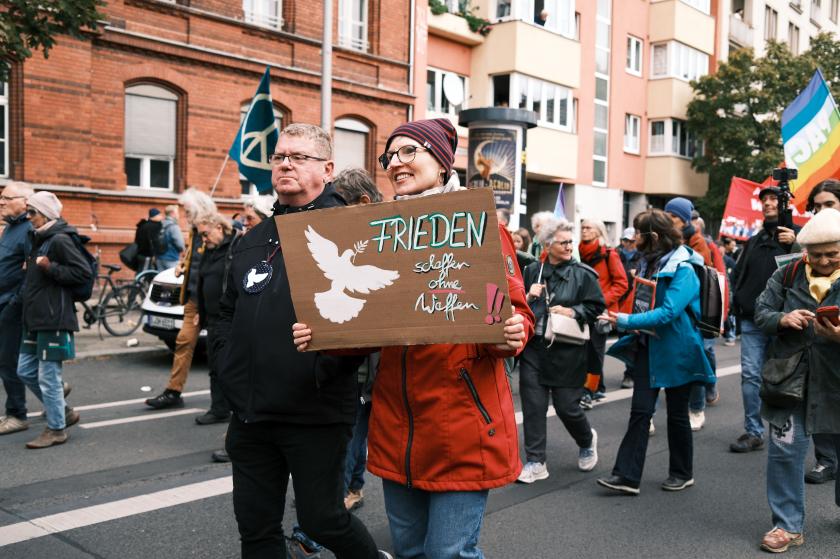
(83,291)
(711,302)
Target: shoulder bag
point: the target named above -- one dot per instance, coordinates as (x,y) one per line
(561,328)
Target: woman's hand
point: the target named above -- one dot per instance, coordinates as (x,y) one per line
(609,316)
(535,291)
(826,329)
(514,332)
(560,309)
(301,335)
(797,320)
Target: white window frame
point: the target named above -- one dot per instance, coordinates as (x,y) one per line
(793,38)
(278,116)
(635,55)
(523,10)
(437,92)
(347,25)
(146,159)
(632,142)
(682,62)
(518,81)
(816,11)
(452,6)
(834,7)
(771,23)
(700,5)
(353,125)
(259,12)
(672,129)
(4,108)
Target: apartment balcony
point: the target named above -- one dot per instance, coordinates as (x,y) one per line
(740,32)
(675,20)
(551,154)
(454,28)
(668,98)
(673,176)
(517,46)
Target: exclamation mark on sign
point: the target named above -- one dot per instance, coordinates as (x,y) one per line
(495,299)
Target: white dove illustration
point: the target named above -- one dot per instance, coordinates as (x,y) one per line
(254,277)
(335,305)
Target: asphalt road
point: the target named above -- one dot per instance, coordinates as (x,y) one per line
(133,483)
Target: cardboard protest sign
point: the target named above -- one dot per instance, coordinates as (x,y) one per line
(419,271)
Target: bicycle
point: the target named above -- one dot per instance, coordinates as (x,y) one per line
(119,307)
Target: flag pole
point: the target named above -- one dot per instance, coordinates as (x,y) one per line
(219,176)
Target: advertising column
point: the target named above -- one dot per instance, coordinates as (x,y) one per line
(496,155)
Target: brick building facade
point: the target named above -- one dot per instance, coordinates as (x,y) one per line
(171,79)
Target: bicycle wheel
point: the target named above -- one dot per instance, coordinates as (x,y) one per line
(122,311)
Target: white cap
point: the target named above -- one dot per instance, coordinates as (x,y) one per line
(822,228)
(628,234)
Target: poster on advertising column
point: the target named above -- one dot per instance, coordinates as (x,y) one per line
(492,162)
(419,271)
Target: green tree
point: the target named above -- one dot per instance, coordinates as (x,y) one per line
(27,25)
(737,112)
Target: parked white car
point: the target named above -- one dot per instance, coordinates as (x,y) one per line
(164,315)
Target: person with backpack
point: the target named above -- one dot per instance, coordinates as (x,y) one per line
(672,359)
(171,239)
(755,265)
(57,268)
(595,252)
(800,381)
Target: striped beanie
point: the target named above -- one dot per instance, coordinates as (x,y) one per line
(438,135)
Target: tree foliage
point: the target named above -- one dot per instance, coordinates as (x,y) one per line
(27,25)
(737,112)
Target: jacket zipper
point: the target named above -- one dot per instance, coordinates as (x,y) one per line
(410,418)
(466,376)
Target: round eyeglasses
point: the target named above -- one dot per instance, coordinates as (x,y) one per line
(405,154)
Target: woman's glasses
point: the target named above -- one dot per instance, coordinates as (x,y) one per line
(405,154)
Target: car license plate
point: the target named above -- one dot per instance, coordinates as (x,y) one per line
(161,322)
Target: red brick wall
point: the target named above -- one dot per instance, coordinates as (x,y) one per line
(72,128)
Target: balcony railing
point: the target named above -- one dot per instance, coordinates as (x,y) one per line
(740,31)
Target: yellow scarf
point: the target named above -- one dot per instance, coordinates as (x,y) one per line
(819,285)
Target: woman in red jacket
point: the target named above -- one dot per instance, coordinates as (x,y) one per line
(595,252)
(442,426)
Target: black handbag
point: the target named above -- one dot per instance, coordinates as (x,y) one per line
(128,256)
(783,381)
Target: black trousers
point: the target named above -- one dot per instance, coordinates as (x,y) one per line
(630,461)
(824,451)
(218,403)
(263,455)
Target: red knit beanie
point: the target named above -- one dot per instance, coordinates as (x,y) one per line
(438,135)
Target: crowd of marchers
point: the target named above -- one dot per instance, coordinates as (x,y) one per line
(320,419)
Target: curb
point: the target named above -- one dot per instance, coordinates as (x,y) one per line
(116,351)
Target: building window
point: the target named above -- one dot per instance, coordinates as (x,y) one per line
(676,60)
(835,7)
(353,24)
(351,139)
(4,129)
(455,6)
(265,13)
(634,56)
(770,18)
(550,101)
(249,188)
(632,133)
(446,92)
(702,5)
(150,133)
(816,10)
(683,143)
(793,38)
(554,15)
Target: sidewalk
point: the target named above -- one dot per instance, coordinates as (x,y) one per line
(89,344)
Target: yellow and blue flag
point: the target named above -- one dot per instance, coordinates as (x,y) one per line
(811,135)
(257,137)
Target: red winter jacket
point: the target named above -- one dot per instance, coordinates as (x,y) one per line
(442,417)
(611,275)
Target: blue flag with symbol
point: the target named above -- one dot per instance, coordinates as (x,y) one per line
(256,138)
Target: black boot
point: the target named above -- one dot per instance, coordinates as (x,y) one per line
(168,399)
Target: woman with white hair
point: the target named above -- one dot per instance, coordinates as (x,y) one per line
(800,380)
(256,209)
(538,221)
(596,253)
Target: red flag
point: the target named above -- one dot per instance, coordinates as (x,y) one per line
(742,217)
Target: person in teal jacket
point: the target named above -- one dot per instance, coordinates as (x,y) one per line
(665,350)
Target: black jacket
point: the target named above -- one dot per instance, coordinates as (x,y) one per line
(46,298)
(572,285)
(261,373)
(147,236)
(211,275)
(754,267)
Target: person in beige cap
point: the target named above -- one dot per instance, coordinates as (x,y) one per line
(54,266)
(801,385)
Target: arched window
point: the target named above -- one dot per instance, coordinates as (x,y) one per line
(351,139)
(150,136)
(249,188)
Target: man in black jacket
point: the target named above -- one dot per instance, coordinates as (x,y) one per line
(293,412)
(54,266)
(754,267)
(148,239)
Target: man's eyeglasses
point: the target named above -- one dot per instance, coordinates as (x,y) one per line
(405,154)
(8,198)
(277,159)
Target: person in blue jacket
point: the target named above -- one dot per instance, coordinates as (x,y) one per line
(665,350)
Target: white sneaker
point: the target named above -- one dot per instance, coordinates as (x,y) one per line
(652,429)
(588,457)
(697,419)
(533,471)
